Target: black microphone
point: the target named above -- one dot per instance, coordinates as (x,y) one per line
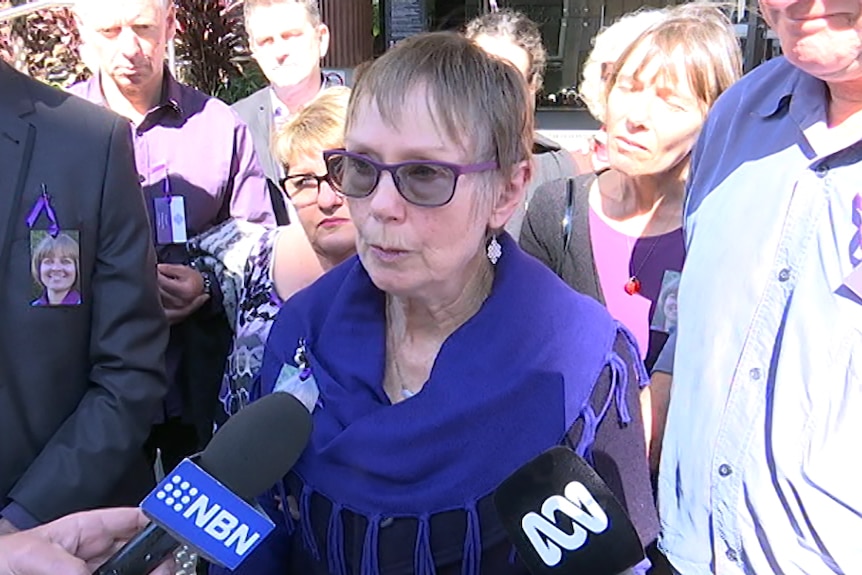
(563,519)
(249,454)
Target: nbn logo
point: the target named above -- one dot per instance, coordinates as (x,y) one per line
(221,525)
(203,513)
(549,540)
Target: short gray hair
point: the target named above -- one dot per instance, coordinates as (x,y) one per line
(518,29)
(481,103)
(312,8)
(80,5)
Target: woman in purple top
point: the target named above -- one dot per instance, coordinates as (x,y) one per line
(621,241)
(55,268)
(441,357)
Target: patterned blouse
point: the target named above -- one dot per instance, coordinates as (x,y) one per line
(257,306)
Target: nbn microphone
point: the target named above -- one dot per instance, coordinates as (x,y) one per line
(195,508)
(203,501)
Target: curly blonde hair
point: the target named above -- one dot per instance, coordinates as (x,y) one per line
(608,46)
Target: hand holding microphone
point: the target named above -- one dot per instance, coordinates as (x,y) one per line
(72,545)
(203,503)
(563,519)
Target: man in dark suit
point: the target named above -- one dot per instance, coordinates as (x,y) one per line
(80,380)
(288,40)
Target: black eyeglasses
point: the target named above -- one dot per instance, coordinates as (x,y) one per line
(298,186)
(424,183)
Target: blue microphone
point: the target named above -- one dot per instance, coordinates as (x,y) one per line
(203,501)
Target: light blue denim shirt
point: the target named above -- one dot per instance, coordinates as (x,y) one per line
(761,460)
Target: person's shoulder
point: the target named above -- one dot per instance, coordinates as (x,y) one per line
(69,110)
(251,102)
(309,308)
(316,299)
(764,86)
(550,297)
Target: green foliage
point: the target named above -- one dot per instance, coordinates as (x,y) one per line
(211,48)
(45,45)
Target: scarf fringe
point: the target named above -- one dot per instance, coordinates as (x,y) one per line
(472,561)
(640,368)
(335,542)
(588,435)
(619,389)
(308,538)
(423,559)
(280,493)
(370,551)
(513,555)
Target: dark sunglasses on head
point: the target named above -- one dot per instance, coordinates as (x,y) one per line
(423,183)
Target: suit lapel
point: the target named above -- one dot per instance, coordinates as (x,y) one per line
(264,117)
(16,145)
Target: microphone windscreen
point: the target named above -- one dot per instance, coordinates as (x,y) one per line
(562,518)
(259,445)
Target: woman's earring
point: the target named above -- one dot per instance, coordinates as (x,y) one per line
(494,250)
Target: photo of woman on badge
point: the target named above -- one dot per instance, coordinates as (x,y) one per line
(55,270)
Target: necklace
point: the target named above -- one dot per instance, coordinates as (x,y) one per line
(633,286)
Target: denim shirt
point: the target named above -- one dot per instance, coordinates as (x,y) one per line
(761,467)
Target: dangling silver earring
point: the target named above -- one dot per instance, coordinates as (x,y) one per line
(495,250)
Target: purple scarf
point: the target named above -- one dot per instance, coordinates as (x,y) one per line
(507,385)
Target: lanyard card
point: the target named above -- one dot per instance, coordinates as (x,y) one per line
(170,216)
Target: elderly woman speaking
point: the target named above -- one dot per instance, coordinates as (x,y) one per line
(443,357)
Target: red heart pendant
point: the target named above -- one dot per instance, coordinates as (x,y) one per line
(633,286)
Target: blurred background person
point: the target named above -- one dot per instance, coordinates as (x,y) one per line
(512,36)
(288,40)
(621,234)
(608,45)
(436,160)
(286,259)
(197,165)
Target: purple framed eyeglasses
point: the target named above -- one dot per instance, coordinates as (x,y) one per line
(421,182)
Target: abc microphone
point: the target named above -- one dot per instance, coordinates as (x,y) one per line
(202,502)
(563,519)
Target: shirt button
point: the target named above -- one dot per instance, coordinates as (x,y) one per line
(731,554)
(784,275)
(141,178)
(754,373)
(822,170)
(724,470)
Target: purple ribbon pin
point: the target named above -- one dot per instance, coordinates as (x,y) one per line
(43,204)
(856,242)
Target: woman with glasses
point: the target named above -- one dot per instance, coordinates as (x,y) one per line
(443,358)
(288,258)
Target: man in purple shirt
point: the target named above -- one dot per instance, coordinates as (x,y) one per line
(197,167)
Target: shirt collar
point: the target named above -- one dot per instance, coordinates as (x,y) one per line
(803,93)
(280,112)
(170,98)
